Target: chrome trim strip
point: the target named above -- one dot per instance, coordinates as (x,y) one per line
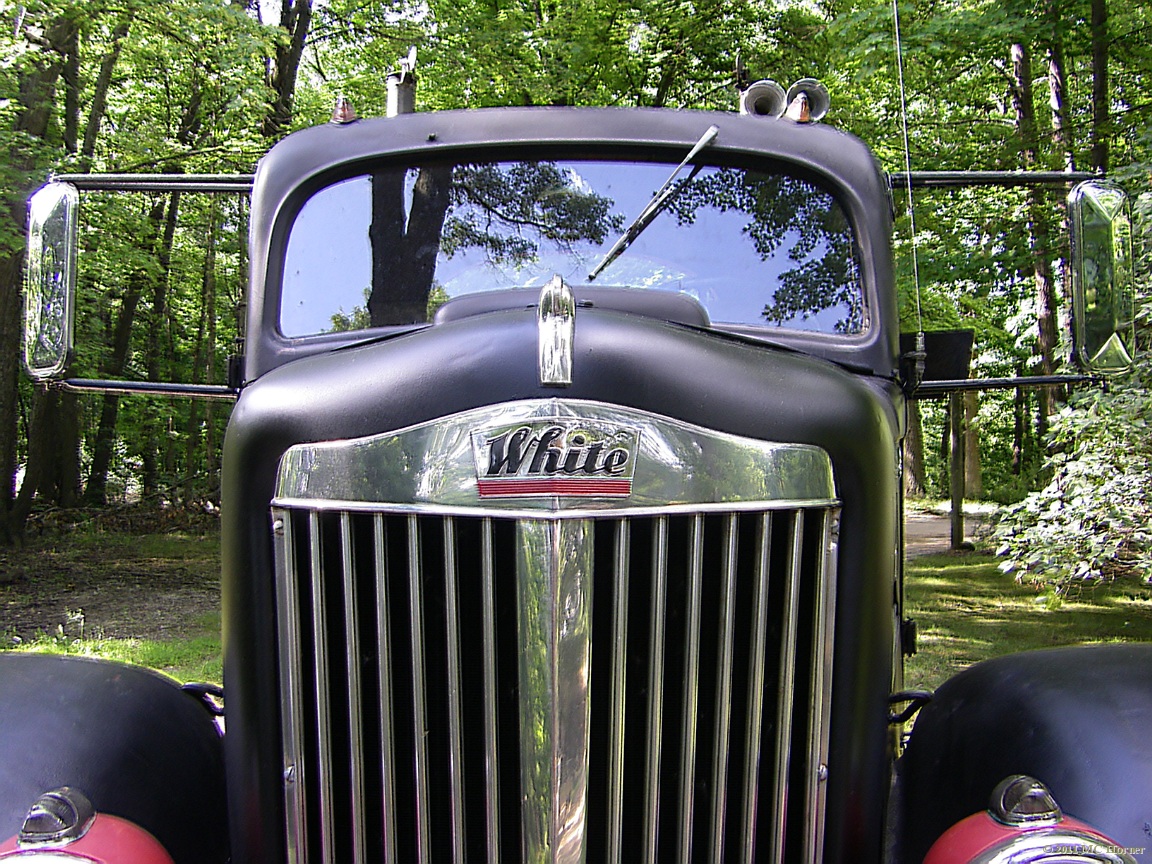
(620,579)
(756,688)
(691,687)
(785,699)
(724,692)
(554,585)
(355,693)
(821,692)
(491,766)
(323,689)
(384,670)
(655,688)
(675,462)
(749,506)
(556,332)
(291,686)
(455,747)
(419,707)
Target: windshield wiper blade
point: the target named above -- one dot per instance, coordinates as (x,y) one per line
(655,207)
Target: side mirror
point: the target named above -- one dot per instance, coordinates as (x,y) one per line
(1103,304)
(50,279)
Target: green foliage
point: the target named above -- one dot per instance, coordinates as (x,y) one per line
(1093,520)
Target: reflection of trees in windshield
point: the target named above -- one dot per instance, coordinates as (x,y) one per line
(780,207)
(392,245)
(507,211)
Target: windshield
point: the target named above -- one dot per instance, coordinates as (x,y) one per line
(389,247)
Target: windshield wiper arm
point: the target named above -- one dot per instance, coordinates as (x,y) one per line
(656,206)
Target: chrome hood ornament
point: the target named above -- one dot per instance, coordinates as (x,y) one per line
(556,323)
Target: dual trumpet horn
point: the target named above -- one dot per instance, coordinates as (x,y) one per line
(806,101)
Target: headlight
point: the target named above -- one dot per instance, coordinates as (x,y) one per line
(62,827)
(1024,825)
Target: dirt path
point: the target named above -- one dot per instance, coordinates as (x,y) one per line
(931,533)
(160,582)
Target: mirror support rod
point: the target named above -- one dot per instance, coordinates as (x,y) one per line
(234,183)
(941,179)
(935,389)
(149,388)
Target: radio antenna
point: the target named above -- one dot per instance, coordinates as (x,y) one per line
(908,174)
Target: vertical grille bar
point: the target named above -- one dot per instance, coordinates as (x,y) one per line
(291,686)
(384,676)
(355,693)
(787,678)
(620,579)
(323,689)
(821,664)
(456,763)
(554,568)
(756,686)
(691,685)
(655,688)
(724,691)
(492,778)
(419,702)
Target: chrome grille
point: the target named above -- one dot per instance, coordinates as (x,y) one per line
(708,683)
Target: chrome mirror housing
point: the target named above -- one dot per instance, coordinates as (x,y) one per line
(1103,304)
(50,279)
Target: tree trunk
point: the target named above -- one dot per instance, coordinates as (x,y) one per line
(40,426)
(956,468)
(100,93)
(284,66)
(71,76)
(1019,424)
(205,348)
(96,491)
(945,451)
(1061,143)
(11,273)
(1045,285)
(211,483)
(973,481)
(153,352)
(35,95)
(1101,116)
(1057,90)
(915,478)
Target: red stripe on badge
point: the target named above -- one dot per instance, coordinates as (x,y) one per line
(571,486)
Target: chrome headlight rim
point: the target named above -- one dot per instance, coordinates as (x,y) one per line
(1055,845)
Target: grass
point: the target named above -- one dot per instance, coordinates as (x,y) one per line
(193,658)
(967,610)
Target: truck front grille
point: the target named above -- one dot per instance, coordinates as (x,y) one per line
(708,683)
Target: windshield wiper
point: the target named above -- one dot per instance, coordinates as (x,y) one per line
(655,207)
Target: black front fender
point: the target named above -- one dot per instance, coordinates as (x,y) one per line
(1077,719)
(129,739)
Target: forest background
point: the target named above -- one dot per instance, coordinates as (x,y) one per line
(200,86)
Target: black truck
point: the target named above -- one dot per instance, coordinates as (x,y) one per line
(562,523)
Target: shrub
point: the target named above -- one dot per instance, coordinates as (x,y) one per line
(1094,519)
